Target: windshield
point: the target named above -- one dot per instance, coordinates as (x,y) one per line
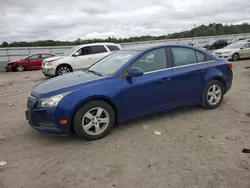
(234,45)
(113,62)
(70,51)
(26,56)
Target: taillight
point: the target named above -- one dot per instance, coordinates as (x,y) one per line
(230,65)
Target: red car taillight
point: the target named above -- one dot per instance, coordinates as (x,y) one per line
(230,65)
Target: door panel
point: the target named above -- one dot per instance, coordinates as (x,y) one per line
(33,61)
(146,93)
(245,52)
(188,82)
(188,76)
(151,91)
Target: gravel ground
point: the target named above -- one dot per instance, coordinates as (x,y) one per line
(197,148)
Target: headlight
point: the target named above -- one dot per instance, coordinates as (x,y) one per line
(49,63)
(227,52)
(51,101)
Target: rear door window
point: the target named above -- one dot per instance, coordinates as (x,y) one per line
(183,56)
(97,49)
(201,57)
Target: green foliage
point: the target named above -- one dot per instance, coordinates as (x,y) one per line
(203,30)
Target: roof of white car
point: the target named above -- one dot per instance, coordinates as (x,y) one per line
(93,44)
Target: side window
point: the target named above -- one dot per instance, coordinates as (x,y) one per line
(84,51)
(45,56)
(97,49)
(201,57)
(184,56)
(152,61)
(113,48)
(34,57)
(247,45)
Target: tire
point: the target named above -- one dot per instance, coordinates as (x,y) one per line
(20,68)
(214,89)
(235,57)
(90,125)
(63,69)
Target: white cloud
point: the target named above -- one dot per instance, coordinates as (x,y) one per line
(68,20)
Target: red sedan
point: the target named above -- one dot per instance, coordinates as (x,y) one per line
(31,62)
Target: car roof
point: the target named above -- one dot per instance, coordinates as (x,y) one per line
(151,47)
(98,43)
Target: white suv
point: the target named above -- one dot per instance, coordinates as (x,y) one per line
(78,57)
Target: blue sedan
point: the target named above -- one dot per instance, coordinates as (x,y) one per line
(128,84)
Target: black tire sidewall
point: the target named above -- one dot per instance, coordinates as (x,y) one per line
(205,102)
(60,66)
(238,57)
(77,120)
(20,66)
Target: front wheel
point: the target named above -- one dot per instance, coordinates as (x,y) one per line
(213,94)
(63,69)
(236,56)
(94,120)
(20,68)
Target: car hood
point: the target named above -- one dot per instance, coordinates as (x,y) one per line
(226,50)
(53,58)
(64,83)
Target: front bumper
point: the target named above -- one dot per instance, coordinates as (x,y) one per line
(45,120)
(48,71)
(225,56)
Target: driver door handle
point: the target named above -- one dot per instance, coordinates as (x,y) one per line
(164,80)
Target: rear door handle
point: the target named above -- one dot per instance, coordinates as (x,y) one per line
(163,80)
(199,71)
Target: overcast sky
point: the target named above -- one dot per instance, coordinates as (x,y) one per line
(29,20)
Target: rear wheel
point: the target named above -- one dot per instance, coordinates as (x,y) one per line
(213,94)
(94,120)
(20,68)
(236,56)
(63,69)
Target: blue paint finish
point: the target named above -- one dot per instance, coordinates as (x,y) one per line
(169,88)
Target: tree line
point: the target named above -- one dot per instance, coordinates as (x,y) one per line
(203,30)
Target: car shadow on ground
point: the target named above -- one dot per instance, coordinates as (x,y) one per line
(143,120)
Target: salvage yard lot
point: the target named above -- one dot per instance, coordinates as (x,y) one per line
(196,148)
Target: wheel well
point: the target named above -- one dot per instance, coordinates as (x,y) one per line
(64,64)
(91,99)
(223,82)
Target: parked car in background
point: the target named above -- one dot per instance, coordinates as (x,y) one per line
(235,51)
(78,57)
(126,85)
(30,62)
(239,40)
(216,44)
(196,44)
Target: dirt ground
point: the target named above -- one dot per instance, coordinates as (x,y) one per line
(197,148)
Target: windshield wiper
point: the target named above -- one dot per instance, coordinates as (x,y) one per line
(94,72)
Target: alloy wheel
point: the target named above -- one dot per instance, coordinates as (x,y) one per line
(214,94)
(95,121)
(20,68)
(64,70)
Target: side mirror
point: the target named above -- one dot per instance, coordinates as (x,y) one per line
(76,54)
(134,72)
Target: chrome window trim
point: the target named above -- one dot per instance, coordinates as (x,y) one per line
(179,66)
